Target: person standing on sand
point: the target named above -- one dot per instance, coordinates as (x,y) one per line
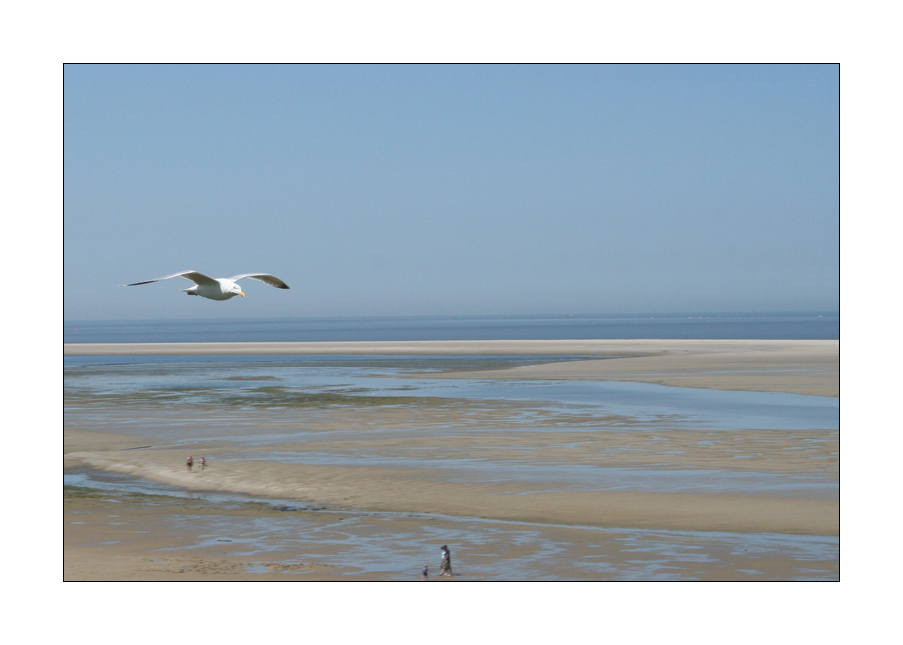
(446,562)
(425,572)
(203,463)
(189,462)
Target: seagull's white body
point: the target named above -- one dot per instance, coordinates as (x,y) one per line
(216,288)
(220,289)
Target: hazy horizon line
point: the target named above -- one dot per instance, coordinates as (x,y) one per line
(663,314)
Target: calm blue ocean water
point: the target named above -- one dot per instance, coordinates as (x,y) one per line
(789,326)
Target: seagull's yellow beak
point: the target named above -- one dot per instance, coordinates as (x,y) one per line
(241,293)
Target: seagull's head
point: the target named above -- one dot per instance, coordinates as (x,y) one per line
(235,289)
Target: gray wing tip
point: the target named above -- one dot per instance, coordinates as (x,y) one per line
(266,278)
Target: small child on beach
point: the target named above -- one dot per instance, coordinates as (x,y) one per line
(425,572)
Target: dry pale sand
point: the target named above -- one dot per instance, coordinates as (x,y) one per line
(798,367)
(94,549)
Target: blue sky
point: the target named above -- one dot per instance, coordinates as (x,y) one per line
(445,190)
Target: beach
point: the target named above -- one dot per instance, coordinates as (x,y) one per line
(722,499)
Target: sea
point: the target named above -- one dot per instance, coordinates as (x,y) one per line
(819,325)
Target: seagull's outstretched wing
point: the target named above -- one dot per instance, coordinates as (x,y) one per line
(271,280)
(194,276)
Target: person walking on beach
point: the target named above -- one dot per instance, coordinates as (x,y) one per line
(445,569)
(426,572)
(203,463)
(189,462)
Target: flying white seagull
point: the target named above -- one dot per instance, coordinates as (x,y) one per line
(216,288)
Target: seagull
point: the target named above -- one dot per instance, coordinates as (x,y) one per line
(216,288)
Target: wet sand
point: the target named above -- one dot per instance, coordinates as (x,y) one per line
(99,549)
(439,491)
(796,366)
(118,537)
